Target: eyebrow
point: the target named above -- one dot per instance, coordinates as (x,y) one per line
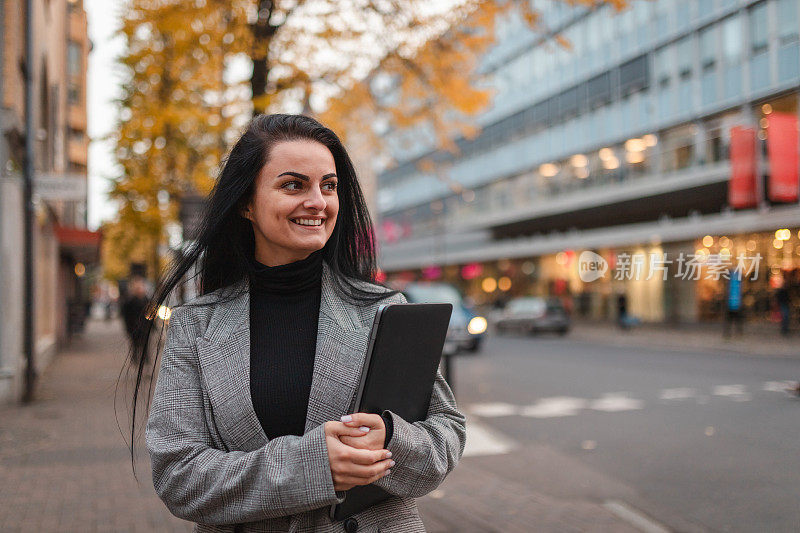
(304,177)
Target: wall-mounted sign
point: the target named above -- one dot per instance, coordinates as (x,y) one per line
(742,188)
(784,163)
(67,187)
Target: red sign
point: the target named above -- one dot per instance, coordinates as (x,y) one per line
(471,271)
(743,189)
(432,272)
(784,157)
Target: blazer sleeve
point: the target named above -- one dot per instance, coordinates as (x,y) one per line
(203,484)
(426,451)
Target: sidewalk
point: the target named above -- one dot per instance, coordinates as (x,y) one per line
(759,339)
(65,467)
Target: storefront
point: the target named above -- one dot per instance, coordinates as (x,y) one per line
(774,262)
(679,282)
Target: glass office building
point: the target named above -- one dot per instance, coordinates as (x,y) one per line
(621,146)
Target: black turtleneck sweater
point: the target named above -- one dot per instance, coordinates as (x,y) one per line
(284,313)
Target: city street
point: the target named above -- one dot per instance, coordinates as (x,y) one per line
(696,439)
(564,434)
(64,465)
(625,173)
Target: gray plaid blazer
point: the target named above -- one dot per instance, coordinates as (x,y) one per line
(212,463)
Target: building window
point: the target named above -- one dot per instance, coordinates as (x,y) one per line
(633,75)
(708,48)
(74,57)
(663,65)
(73,94)
(788,21)
(685,56)
(77,168)
(732,40)
(717,137)
(75,135)
(758,28)
(678,148)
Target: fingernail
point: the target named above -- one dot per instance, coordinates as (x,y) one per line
(388,454)
(364,429)
(388,472)
(347,418)
(391,463)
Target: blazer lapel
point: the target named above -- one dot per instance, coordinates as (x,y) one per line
(341,346)
(224,354)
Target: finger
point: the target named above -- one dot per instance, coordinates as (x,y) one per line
(363,420)
(367,457)
(352,482)
(366,442)
(362,473)
(379,476)
(337,429)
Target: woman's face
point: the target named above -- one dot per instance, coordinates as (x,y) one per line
(295,202)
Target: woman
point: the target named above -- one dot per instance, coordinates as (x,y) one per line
(251,425)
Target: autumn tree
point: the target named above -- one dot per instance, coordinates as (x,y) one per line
(176,115)
(180,109)
(323,55)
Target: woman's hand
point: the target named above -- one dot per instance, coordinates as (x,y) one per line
(372,439)
(351,466)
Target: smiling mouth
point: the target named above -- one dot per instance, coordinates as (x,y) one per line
(308,222)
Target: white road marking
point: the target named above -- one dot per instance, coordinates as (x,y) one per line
(736,393)
(485,441)
(560,406)
(634,517)
(554,407)
(779,386)
(615,402)
(678,394)
(494,409)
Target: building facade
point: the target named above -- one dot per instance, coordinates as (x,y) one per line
(63,247)
(620,145)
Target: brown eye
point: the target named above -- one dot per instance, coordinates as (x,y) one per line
(292,185)
(331,185)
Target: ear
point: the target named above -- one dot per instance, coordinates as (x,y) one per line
(245,212)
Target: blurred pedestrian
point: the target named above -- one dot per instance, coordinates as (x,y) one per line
(622,311)
(251,427)
(733,308)
(783,300)
(134,308)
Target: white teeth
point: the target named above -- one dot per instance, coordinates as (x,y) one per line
(308,222)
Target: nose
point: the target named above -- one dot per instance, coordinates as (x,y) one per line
(315,199)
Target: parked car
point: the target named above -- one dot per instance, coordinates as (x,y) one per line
(532,315)
(466,329)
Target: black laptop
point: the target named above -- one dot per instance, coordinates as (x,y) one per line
(403,353)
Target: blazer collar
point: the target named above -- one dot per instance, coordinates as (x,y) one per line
(224,356)
(231,314)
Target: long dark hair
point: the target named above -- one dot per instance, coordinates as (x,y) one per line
(223,251)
